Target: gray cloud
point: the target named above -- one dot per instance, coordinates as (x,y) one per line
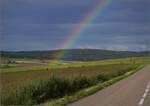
(45,24)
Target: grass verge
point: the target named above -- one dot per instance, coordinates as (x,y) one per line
(90,90)
(54,88)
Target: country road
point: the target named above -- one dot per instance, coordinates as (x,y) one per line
(131,91)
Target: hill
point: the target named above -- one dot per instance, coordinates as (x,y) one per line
(74,54)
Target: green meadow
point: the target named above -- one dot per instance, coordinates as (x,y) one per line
(32,82)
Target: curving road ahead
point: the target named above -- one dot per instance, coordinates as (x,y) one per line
(131,91)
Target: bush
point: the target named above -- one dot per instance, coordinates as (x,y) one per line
(55,87)
(104,77)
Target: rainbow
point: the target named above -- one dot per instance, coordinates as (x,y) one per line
(82,26)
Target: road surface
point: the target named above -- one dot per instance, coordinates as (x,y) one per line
(131,91)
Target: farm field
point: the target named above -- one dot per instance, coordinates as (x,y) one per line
(22,75)
(11,81)
(27,65)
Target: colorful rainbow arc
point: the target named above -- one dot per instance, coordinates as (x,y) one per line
(82,26)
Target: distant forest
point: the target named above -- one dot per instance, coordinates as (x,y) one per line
(74,54)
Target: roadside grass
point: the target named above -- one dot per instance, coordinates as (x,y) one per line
(53,87)
(88,91)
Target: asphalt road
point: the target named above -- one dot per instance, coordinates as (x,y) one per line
(131,91)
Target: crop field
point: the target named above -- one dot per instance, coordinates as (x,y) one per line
(13,80)
(84,74)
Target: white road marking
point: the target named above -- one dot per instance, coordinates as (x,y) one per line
(141,101)
(146,90)
(145,94)
(148,86)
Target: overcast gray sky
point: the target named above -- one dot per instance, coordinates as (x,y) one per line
(44,24)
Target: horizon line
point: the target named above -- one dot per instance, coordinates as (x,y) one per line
(62,49)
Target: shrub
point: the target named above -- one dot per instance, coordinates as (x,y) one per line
(104,77)
(55,87)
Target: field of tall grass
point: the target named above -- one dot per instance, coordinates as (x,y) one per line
(56,86)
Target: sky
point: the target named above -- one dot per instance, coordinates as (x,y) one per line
(46,24)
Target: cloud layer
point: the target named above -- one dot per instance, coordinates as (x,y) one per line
(42,25)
